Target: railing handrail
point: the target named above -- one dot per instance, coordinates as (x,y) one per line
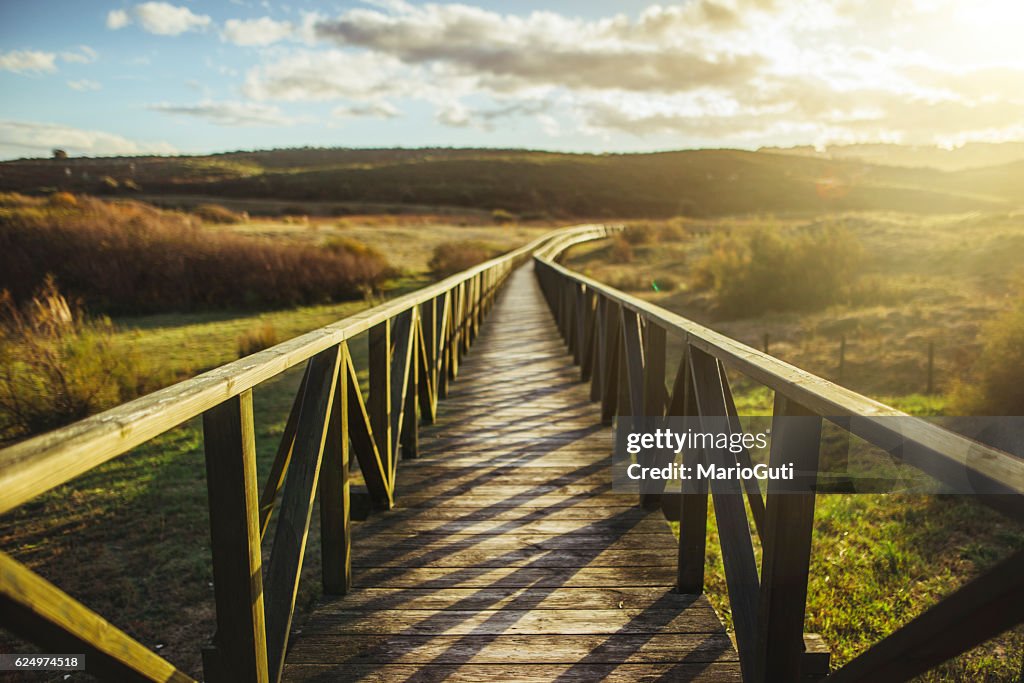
(620,344)
(38,464)
(1003,473)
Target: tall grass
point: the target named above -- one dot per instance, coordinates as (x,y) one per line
(449,258)
(57,365)
(128,257)
(776,270)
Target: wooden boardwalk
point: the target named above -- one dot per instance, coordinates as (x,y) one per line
(508,556)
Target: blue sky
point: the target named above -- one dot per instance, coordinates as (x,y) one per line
(122,77)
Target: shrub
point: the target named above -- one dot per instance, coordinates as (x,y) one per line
(996,384)
(58,366)
(256,339)
(128,257)
(449,258)
(642,233)
(772,270)
(215,213)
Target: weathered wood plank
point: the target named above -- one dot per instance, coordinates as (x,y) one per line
(509,532)
(785,565)
(275,479)
(498,598)
(538,673)
(453,622)
(543,649)
(229,442)
(292,528)
(335,502)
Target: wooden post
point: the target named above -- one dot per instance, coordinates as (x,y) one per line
(610,379)
(335,502)
(693,503)
(600,351)
(789,518)
(379,403)
(765,342)
(300,487)
(654,390)
(239,649)
(409,436)
(730,513)
(580,323)
(589,336)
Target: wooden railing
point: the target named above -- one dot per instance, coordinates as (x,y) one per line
(415,343)
(619,341)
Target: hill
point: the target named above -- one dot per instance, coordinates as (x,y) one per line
(969,156)
(537,184)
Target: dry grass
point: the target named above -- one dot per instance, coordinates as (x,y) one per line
(256,339)
(58,366)
(449,258)
(127,257)
(922,280)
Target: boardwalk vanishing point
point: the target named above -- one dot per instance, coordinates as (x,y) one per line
(508,557)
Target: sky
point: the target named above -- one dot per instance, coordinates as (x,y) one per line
(111,77)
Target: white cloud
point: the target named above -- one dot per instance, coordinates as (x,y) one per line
(28,61)
(306,75)
(260,32)
(159,18)
(228,113)
(84,85)
(117,18)
(376,110)
(660,51)
(28,138)
(84,55)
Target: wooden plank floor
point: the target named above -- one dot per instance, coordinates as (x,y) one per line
(509,558)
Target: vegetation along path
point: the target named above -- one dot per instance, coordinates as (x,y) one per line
(509,556)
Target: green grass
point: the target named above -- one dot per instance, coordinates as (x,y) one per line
(877,561)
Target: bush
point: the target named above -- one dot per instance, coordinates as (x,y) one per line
(449,258)
(997,378)
(256,339)
(642,233)
(127,257)
(215,213)
(58,366)
(772,270)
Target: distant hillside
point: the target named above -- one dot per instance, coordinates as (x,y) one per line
(970,156)
(699,182)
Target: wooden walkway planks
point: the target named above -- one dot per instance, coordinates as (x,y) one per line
(509,557)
